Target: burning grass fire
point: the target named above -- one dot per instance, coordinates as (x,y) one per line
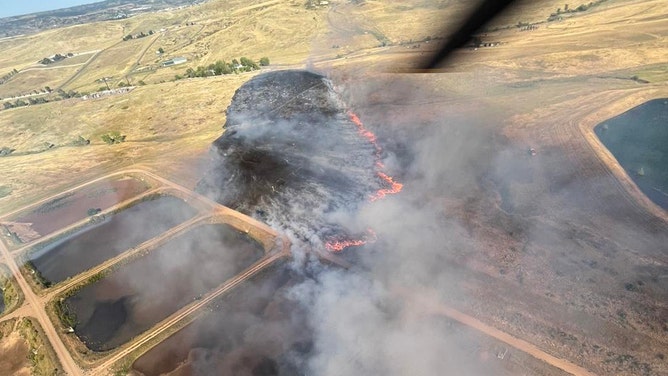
(293,156)
(338,246)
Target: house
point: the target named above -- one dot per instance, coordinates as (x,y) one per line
(174,61)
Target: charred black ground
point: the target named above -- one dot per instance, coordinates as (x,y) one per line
(291,156)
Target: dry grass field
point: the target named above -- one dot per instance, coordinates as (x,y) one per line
(544,88)
(27,82)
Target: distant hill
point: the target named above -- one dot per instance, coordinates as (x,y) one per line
(81,14)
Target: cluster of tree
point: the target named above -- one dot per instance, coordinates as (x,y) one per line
(9,75)
(221,67)
(137,36)
(113,137)
(581,8)
(55,58)
(61,94)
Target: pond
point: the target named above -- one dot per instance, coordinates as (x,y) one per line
(638,139)
(136,296)
(97,243)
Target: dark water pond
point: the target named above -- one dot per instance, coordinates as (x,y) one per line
(138,295)
(638,139)
(95,244)
(256,330)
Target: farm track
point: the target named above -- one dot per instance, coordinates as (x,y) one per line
(35,304)
(441,309)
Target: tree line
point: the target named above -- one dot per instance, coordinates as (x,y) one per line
(9,75)
(138,36)
(221,67)
(60,95)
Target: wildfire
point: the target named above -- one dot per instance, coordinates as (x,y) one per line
(338,246)
(395,187)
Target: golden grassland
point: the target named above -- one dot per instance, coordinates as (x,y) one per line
(167,118)
(35,79)
(114,62)
(540,83)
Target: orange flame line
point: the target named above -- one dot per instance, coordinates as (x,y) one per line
(395,187)
(339,246)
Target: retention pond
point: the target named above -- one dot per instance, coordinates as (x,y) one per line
(74,206)
(97,243)
(638,139)
(258,329)
(133,298)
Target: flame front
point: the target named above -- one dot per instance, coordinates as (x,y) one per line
(394,187)
(338,246)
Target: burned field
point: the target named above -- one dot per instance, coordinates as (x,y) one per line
(134,297)
(72,207)
(108,237)
(637,139)
(293,156)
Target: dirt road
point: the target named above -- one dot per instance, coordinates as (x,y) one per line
(34,305)
(38,311)
(183,313)
(432,306)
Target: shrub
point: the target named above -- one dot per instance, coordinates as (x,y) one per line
(81,141)
(4,151)
(113,137)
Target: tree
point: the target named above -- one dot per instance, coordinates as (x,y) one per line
(113,137)
(246,62)
(161,50)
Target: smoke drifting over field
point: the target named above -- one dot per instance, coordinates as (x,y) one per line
(292,156)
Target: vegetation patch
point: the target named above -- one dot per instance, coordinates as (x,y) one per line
(221,67)
(10,293)
(113,137)
(580,8)
(42,358)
